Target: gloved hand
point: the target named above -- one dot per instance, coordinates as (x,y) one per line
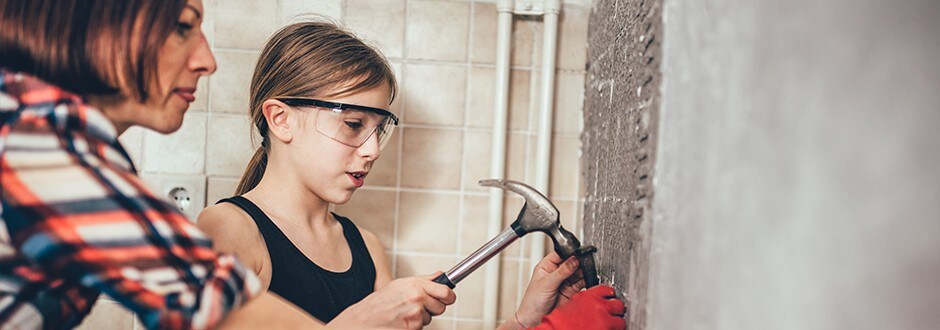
(594,308)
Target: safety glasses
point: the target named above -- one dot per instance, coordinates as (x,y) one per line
(349,124)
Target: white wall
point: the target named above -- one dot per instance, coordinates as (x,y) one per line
(798,173)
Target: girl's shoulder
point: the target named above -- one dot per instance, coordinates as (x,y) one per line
(228,226)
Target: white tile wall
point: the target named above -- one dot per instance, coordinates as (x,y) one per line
(379,21)
(229,145)
(291,11)
(245,24)
(182,152)
(230,84)
(421,198)
(438,30)
(434,94)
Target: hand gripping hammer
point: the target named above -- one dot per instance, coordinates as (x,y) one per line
(538,214)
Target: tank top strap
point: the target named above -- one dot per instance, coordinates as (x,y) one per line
(269,231)
(356,243)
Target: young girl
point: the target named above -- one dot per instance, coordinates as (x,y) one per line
(319,99)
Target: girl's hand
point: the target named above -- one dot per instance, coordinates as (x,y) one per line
(553,283)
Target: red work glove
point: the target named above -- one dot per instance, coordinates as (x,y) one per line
(594,308)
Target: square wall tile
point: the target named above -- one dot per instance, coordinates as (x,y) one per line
(431,158)
(395,107)
(483,36)
(244,24)
(569,102)
(572,37)
(474,223)
(218,188)
(482,97)
(441,322)
(379,21)
(565,168)
(186,192)
(478,155)
(482,103)
(520,164)
(107,315)
(434,94)
(420,265)
(210,12)
(508,290)
(182,152)
(132,140)
(469,325)
(438,30)
(372,210)
(478,146)
(427,222)
(230,85)
(229,145)
(384,171)
(470,293)
(292,11)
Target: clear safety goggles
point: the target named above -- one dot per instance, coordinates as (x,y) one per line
(349,124)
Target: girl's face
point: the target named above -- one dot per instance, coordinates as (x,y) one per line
(330,169)
(181,61)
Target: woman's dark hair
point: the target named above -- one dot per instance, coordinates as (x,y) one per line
(88,47)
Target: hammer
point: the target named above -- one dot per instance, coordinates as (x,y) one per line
(538,214)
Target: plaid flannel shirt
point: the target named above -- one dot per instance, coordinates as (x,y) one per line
(76,221)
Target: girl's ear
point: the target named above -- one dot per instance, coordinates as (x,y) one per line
(278,114)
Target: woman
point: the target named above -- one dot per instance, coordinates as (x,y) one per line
(76,219)
(319,99)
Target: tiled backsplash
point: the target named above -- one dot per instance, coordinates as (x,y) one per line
(421,198)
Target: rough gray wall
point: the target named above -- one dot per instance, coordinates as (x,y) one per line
(798,168)
(619,143)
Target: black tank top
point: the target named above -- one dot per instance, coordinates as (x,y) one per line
(320,292)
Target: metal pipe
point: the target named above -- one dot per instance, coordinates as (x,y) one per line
(544,142)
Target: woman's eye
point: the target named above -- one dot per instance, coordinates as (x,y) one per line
(183,28)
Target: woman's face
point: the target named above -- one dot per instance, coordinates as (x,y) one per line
(330,169)
(181,61)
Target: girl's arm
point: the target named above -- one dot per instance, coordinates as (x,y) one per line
(233,232)
(383,269)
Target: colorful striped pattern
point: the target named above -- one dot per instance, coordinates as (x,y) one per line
(76,221)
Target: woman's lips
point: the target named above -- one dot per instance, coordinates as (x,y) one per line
(186,93)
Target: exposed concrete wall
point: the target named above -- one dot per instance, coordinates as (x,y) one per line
(619,142)
(797,163)
(798,174)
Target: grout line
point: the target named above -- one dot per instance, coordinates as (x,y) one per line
(403,108)
(468,83)
(486,129)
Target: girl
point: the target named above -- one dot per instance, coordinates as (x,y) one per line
(319,99)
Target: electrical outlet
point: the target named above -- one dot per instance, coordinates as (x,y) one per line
(186,192)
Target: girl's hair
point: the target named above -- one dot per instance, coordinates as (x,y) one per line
(310,59)
(88,47)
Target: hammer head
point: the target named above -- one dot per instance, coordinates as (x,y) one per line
(538,214)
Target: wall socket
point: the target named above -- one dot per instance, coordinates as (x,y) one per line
(186,192)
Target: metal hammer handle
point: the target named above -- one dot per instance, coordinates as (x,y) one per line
(478,258)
